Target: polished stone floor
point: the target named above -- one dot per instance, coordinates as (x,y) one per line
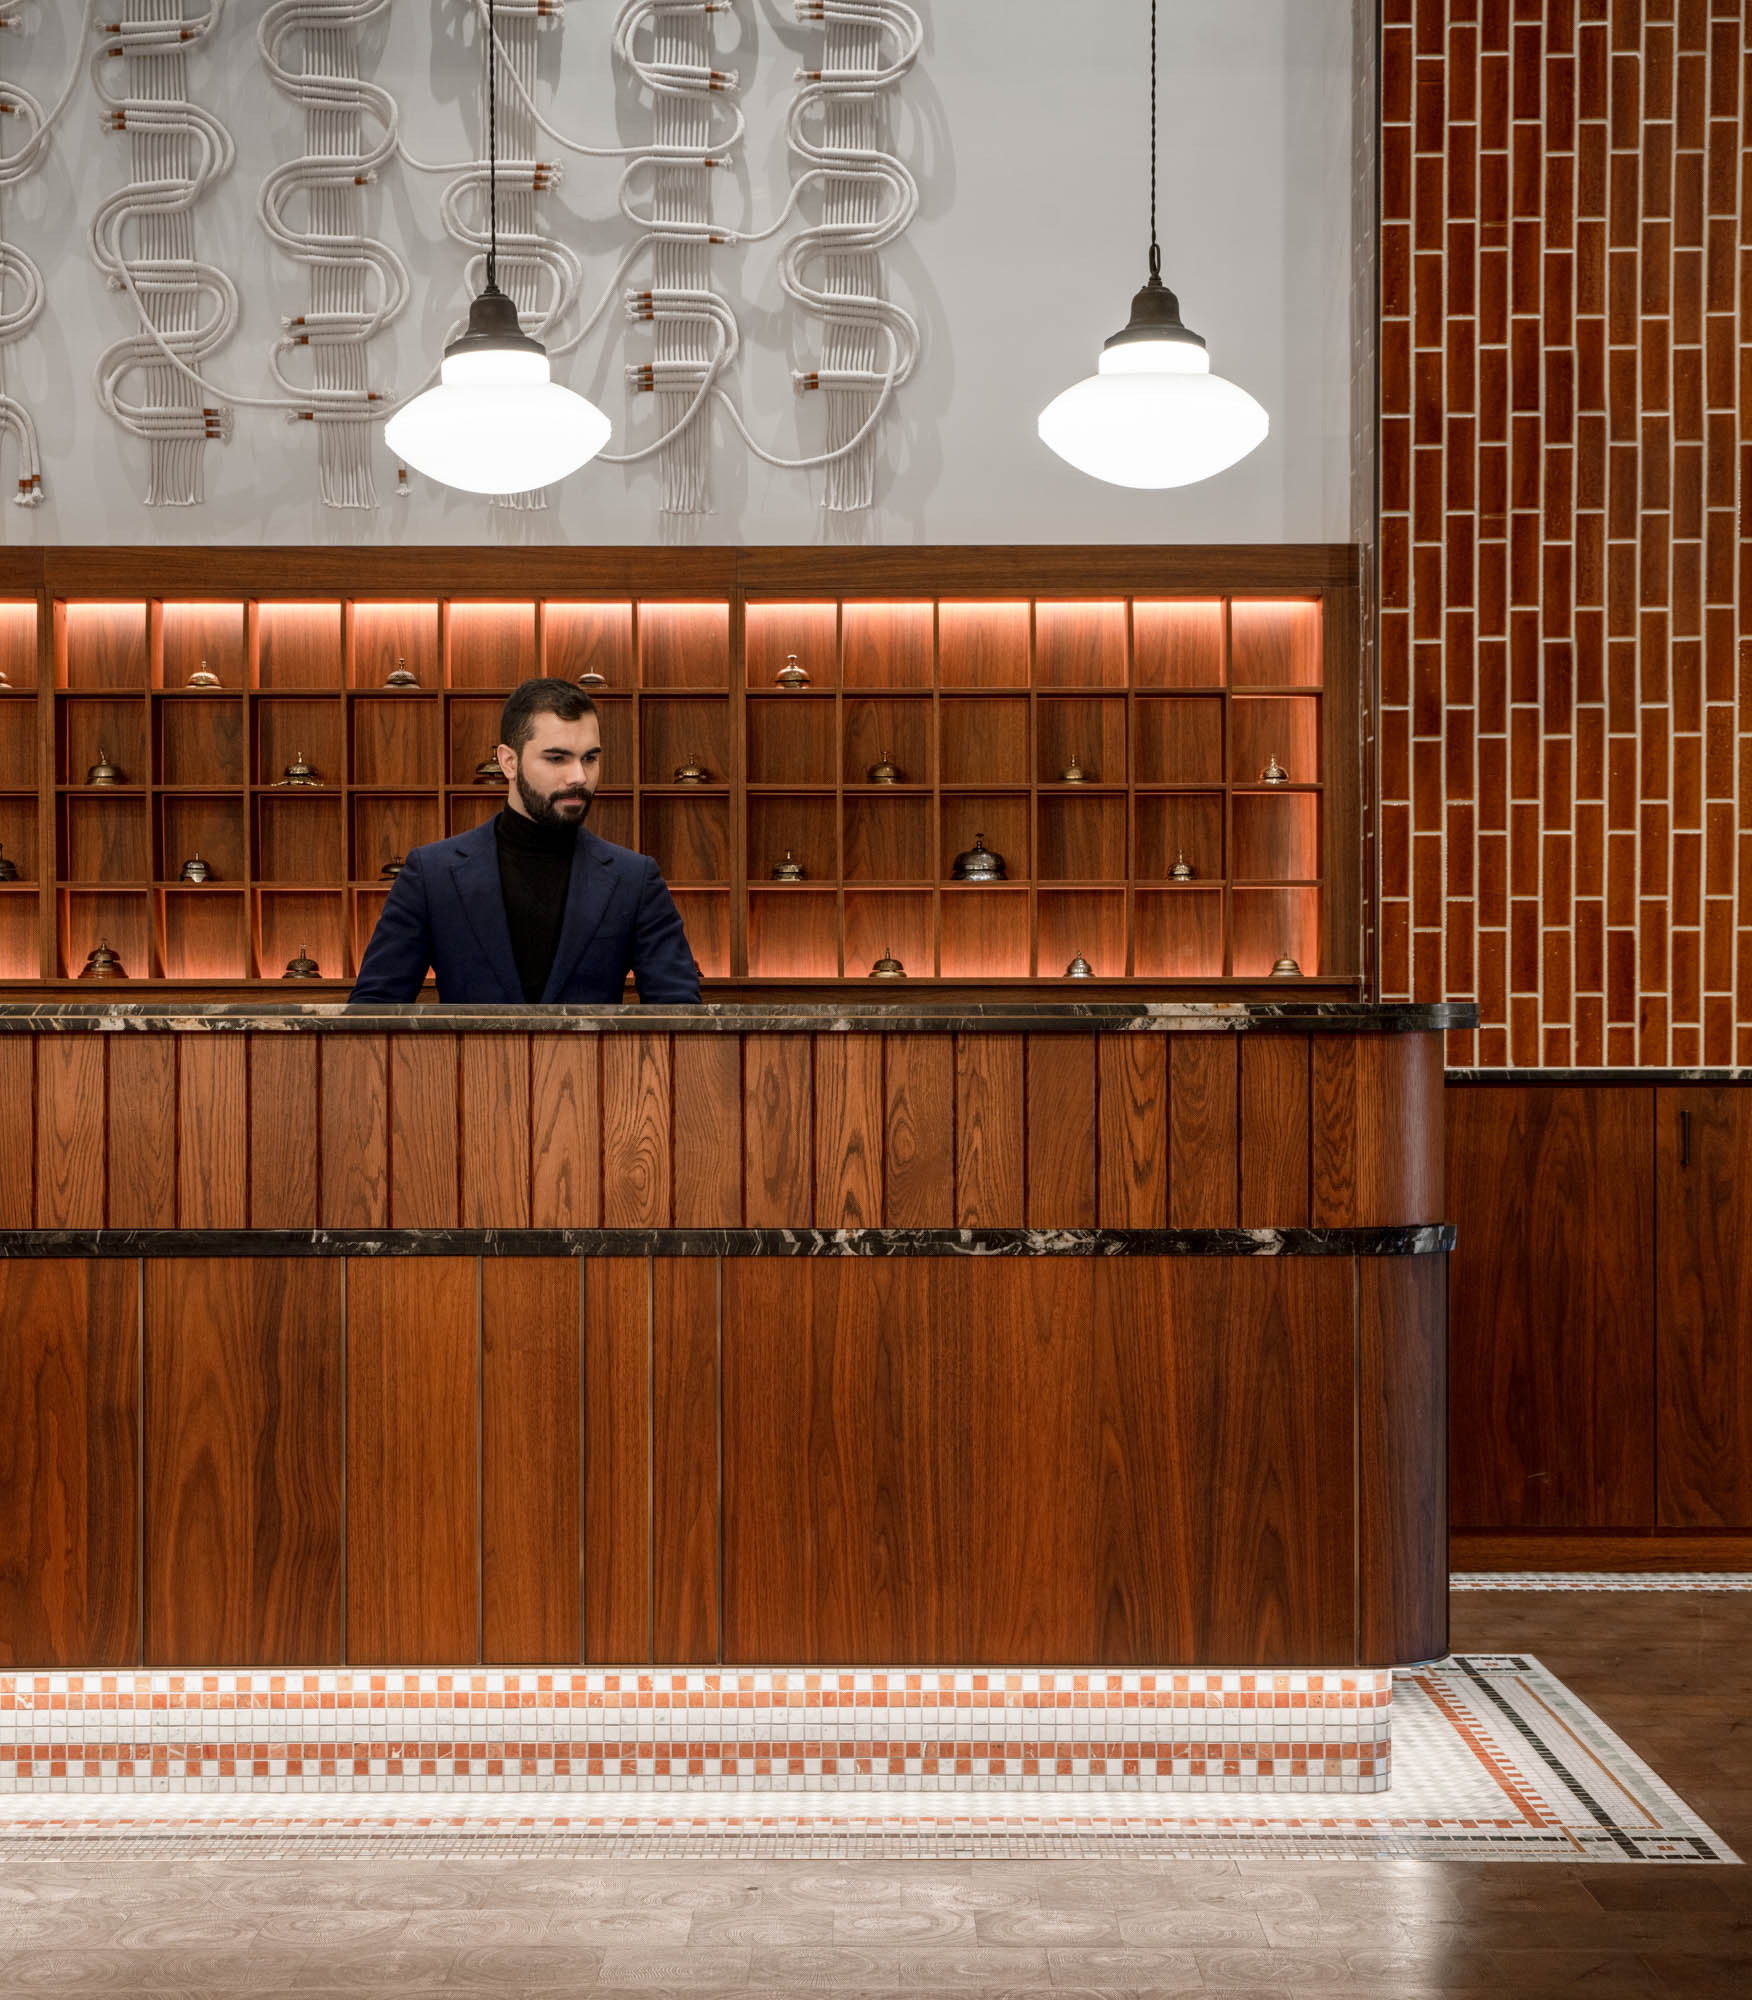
(1671,1673)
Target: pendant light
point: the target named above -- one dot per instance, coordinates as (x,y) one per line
(496,422)
(1153,414)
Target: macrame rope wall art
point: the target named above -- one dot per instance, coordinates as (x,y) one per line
(21,283)
(694,335)
(312,209)
(153,381)
(838,124)
(143,240)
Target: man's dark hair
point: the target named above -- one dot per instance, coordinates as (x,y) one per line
(540,697)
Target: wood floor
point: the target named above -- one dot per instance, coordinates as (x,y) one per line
(1673,1675)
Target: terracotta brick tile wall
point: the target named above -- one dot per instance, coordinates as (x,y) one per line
(1566,435)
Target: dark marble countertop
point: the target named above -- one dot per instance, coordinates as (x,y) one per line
(1407,1240)
(109,1016)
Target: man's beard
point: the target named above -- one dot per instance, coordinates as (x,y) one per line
(545,810)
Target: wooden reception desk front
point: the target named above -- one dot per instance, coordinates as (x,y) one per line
(1108,1335)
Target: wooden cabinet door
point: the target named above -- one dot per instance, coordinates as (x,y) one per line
(1703,1147)
(1552,1307)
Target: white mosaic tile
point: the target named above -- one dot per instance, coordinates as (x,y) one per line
(1494,1760)
(1697,1580)
(694,1731)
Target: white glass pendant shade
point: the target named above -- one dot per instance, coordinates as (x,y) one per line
(496,422)
(1153,415)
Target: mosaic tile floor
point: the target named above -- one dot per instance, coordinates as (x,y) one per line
(1709,1582)
(1493,1759)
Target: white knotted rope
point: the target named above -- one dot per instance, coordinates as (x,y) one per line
(358,284)
(694,332)
(21,282)
(187,309)
(838,125)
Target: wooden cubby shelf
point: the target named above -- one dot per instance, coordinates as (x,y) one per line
(1166,680)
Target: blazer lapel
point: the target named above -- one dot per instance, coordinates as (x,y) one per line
(587,899)
(475,871)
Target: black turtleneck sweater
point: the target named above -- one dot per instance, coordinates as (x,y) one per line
(535,870)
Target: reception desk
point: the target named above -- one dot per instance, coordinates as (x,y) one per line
(1009,1335)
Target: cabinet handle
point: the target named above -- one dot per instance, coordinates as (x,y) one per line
(1685,1138)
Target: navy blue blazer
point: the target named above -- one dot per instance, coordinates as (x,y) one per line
(447,911)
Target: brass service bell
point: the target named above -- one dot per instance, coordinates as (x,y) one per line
(979,864)
(793,674)
(195,870)
(392,868)
(487,771)
(590,678)
(1286,968)
(103,772)
(203,677)
(887,966)
(882,772)
(1079,968)
(1183,870)
(298,772)
(1073,773)
(103,963)
(692,773)
(4,682)
(8,869)
(1274,773)
(403,676)
(788,870)
(302,967)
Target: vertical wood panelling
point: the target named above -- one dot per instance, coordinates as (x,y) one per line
(1060,1168)
(413,1550)
(423,1138)
(1402,1396)
(1124,1459)
(1378,1121)
(70,1120)
(243,1462)
(142,1130)
(283,1117)
(684,1477)
(69,1466)
(17,1130)
(1552,1420)
(777,1131)
(1134,1131)
(988,1131)
(353,1163)
(708,1131)
(532,1459)
(635,1132)
(1032,1471)
(918,1139)
(1274,1131)
(566,1133)
(1703,1375)
(212,1140)
(1203,1117)
(495,1131)
(617,1460)
(844,1525)
(848,1131)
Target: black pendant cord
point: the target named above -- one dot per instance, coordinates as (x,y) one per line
(493,142)
(1155,247)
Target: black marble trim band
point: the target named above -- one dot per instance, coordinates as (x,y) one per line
(112,1016)
(1463,1077)
(1416,1240)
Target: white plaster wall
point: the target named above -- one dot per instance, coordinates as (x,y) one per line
(1025,123)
